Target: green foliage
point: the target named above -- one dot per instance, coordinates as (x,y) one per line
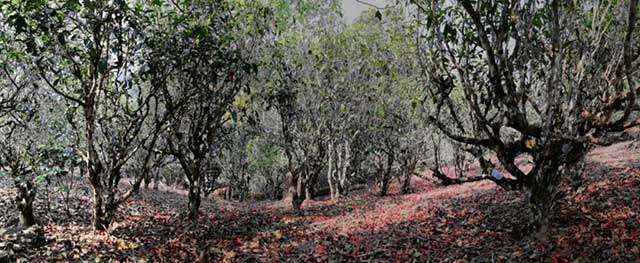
(252,87)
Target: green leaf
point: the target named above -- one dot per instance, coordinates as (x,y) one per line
(41,178)
(72,4)
(71,111)
(380,113)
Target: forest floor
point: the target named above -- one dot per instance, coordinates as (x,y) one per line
(477,222)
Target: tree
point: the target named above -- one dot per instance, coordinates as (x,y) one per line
(292,94)
(200,67)
(387,82)
(544,79)
(18,137)
(234,161)
(338,66)
(302,139)
(267,165)
(17,158)
(89,54)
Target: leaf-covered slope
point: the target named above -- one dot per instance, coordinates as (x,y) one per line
(465,223)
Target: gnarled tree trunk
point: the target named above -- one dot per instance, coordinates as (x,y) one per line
(98,221)
(296,190)
(193,207)
(408,169)
(384,173)
(24,200)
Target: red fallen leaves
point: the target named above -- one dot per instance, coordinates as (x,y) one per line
(559,259)
(492,234)
(542,248)
(429,224)
(222,243)
(320,218)
(320,249)
(162,218)
(610,225)
(424,251)
(174,242)
(634,235)
(630,182)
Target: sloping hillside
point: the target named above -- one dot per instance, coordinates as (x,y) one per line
(474,222)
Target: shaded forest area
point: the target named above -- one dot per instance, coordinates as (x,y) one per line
(272,131)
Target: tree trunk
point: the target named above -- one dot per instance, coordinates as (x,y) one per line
(408,169)
(156,179)
(384,174)
(384,187)
(332,191)
(296,188)
(103,210)
(147,182)
(94,166)
(193,209)
(98,213)
(344,173)
(296,201)
(24,199)
(406,183)
(310,185)
(343,187)
(543,193)
(244,185)
(339,173)
(309,192)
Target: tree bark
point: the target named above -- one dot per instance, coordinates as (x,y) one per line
(193,208)
(229,193)
(296,196)
(330,171)
(26,196)
(98,214)
(296,188)
(544,190)
(309,193)
(310,185)
(156,179)
(384,187)
(345,168)
(296,201)
(384,173)
(147,182)
(94,166)
(409,168)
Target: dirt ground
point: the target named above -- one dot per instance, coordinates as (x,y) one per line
(476,222)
